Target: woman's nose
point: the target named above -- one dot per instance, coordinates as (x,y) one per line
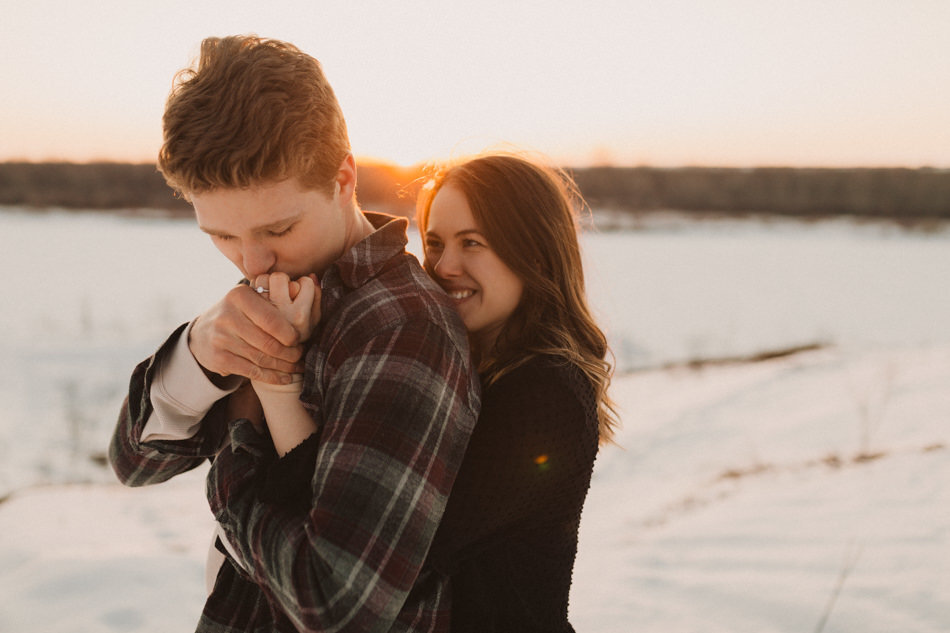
(448,265)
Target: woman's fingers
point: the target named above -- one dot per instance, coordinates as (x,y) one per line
(277,286)
(298,301)
(305,293)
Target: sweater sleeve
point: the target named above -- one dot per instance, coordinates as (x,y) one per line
(528,464)
(181,394)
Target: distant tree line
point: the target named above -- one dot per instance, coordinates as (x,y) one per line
(105,186)
(908,194)
(123,186)
(903,194)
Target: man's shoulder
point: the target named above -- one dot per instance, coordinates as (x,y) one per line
(400,323)
(400,297)
(401,292)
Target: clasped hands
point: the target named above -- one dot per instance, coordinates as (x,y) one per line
(257,336)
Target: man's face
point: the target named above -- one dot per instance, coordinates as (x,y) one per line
(274,227)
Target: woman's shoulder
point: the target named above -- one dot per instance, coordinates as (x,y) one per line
(543,386)
(543,372)
(544,407)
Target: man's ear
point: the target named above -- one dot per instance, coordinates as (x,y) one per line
(346,179)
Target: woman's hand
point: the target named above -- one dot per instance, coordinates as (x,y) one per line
(297,300)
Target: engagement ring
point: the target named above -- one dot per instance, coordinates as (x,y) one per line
(261,290)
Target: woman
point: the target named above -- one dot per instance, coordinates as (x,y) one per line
(500,236)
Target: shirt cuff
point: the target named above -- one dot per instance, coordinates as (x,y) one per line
(181,394)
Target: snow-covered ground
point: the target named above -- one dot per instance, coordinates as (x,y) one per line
(796,494)
(743,493)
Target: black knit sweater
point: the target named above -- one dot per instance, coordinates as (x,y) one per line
(508,538)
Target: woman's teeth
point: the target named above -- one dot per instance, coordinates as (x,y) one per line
(461,294)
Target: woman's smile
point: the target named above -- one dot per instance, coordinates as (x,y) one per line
(460,294)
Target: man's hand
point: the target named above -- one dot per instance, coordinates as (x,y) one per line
(245,335)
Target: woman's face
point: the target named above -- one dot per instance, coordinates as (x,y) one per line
(484,289)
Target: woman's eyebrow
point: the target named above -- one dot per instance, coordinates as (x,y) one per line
(457,233)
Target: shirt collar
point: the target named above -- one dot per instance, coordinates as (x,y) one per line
(368,256)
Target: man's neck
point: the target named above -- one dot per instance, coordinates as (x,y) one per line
(358,227)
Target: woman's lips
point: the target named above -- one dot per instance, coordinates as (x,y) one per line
(460,294)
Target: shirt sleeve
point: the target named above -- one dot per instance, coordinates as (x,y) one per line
(181,394)
(393,423)
(137,461)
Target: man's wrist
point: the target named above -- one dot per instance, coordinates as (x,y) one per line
(226,383)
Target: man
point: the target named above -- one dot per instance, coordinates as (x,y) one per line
(255,139)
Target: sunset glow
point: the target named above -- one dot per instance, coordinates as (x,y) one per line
(857,82)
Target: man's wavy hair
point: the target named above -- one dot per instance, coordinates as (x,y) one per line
(528,215)
(252,111)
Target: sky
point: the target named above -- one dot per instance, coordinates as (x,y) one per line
(622,82)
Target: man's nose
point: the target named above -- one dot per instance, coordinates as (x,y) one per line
(258,260)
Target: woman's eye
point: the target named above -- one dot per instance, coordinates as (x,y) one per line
(223,238)
(432,245)
(470,242)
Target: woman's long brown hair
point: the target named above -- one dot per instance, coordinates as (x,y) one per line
(527,213)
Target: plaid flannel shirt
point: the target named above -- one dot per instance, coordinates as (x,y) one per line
(389,383)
